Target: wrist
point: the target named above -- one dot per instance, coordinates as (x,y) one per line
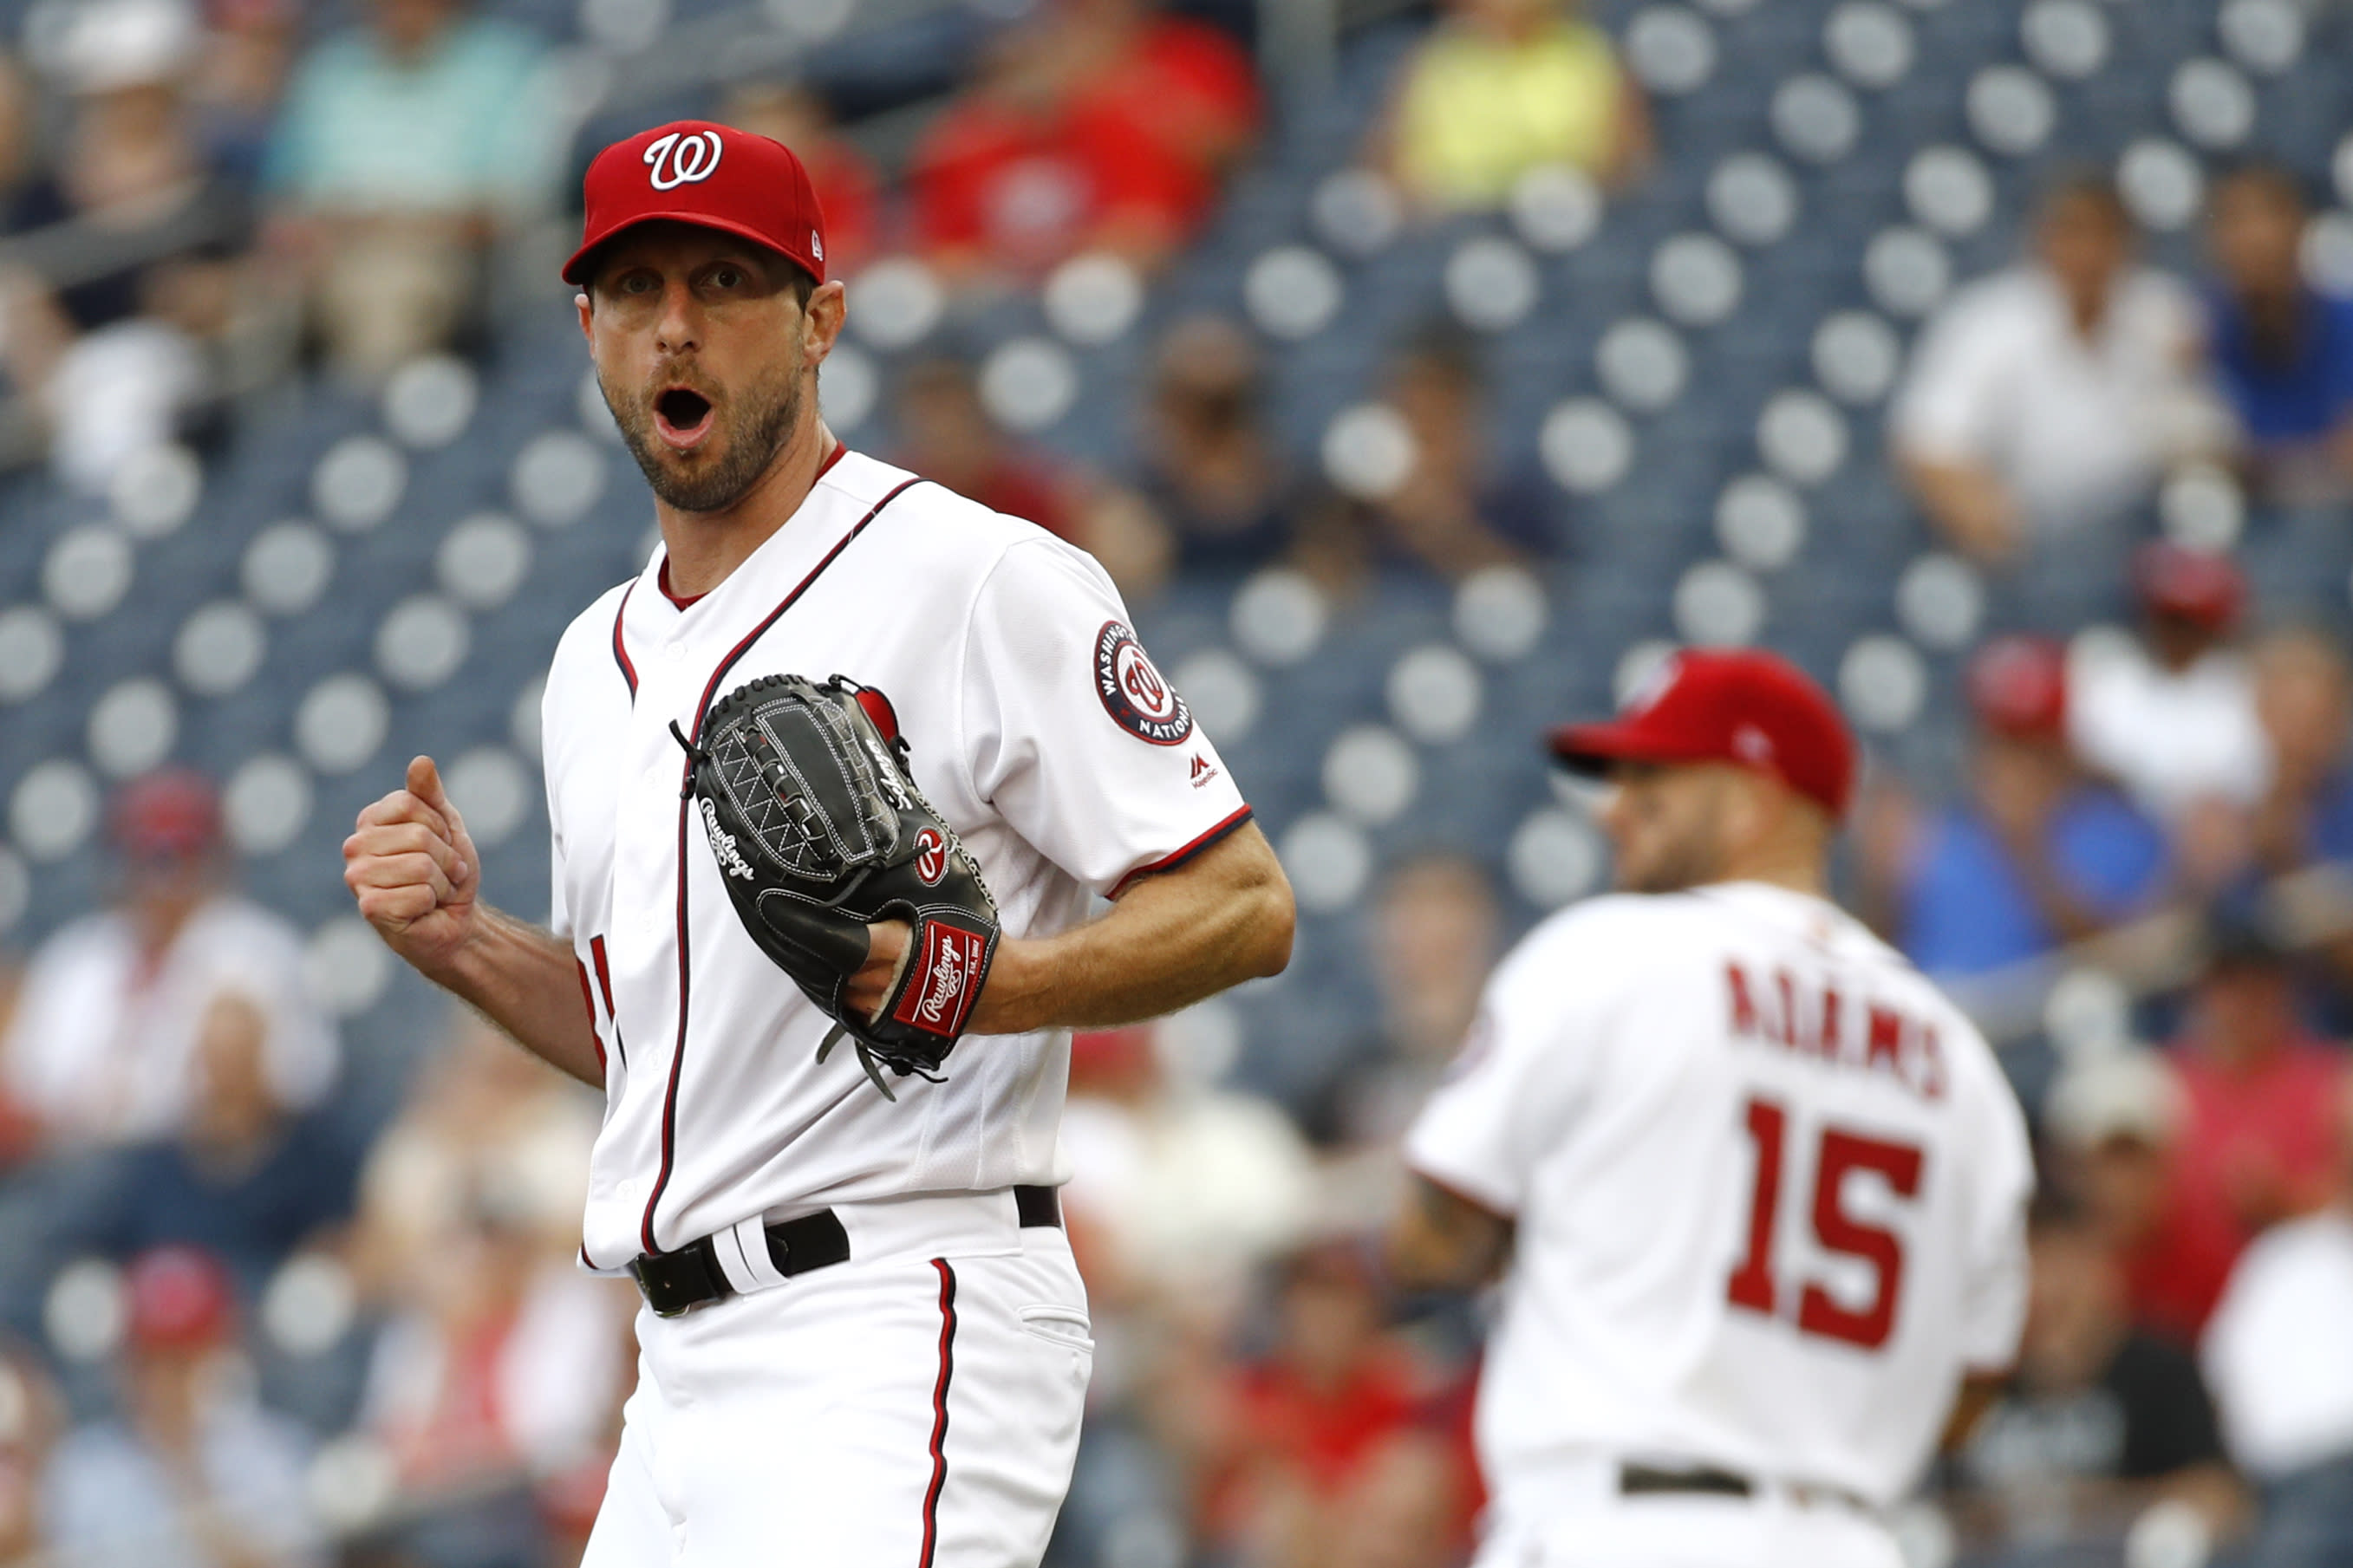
(1008,997)
(463,960)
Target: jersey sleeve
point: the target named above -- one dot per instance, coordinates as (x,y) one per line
(1503,1099)
(1070,732)
(1993,1288)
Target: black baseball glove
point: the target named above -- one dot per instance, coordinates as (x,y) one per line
(819,828)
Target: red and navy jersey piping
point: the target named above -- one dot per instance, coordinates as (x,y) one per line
(1176,858)
(620,648)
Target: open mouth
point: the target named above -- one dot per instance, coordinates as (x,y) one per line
(682,416)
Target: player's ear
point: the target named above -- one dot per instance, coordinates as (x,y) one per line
(587,309)
(821,319)
(1748,806)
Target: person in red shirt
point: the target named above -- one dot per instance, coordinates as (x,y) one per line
(946,433)
(946,436)
(2259,1138)
(1101,126)
(1336,1451)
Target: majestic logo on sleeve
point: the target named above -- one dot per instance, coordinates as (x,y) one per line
(684,159)
(1134,693)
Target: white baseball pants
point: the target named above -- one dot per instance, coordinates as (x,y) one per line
(915,1407)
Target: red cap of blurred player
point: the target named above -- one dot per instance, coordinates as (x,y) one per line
(2018,686)
(1754,710)
(166,816)
(178,1297)
(2190,584)
(691,170)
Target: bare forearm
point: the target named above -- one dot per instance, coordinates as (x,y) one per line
(1968,503)
(1442,1241)
(1172,940)
(1979,1392)
(525,978)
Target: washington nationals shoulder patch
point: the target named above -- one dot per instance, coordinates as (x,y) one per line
(1135,695)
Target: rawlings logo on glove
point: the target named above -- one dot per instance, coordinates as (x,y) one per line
(723,845)
(815,822)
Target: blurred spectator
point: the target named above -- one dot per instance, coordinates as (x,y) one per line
(2047,398)
(2172,715)
(1434,935)
(499,1371)
(2099,1421)
(1328,1455)
(2304,701)
(2282,350)
(113,308)
(1183,1186)
(104,1044)
(1098,125)
(240,78)
(482,1115)
(194,1474)
(2281,1365)
(1451,513)
(2115,1119)
(946,433)
(2236,1132)
(1504,87)
(2036,854)
(848,190)
(407,147)
(244,1180)
(2261,1142)
(1210,471)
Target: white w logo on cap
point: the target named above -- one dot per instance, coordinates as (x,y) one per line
(683,158)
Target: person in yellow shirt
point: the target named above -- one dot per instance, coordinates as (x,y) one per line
(1501,87)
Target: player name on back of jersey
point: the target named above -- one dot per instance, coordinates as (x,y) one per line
(1814,1019)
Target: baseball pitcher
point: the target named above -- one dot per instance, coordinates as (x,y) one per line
(832,784)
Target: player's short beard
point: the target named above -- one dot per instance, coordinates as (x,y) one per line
(753,427)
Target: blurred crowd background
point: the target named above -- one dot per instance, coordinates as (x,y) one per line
(1422,374)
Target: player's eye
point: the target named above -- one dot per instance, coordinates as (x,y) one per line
(727,277)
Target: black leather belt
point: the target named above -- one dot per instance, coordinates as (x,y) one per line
(1651,1480)
(676,1283)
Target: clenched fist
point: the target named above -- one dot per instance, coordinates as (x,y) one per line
(411,865)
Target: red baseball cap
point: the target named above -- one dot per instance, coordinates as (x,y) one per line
(180,1297)
(691,170)
(171,815)
(1750,708)
(2018,686)
(2195,585)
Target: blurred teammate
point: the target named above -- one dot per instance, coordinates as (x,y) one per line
(1760,1187)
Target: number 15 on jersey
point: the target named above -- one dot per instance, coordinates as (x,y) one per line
(1846,1164)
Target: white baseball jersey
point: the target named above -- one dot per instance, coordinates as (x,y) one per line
(1770,1187)
(1040,732)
